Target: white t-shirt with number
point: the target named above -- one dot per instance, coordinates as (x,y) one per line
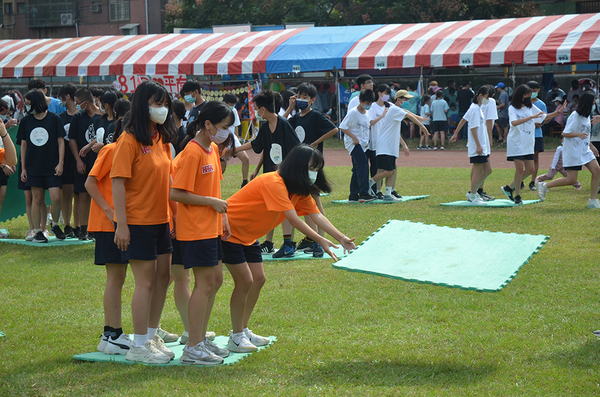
(476,120)
(388,140)
(521,139)
(576,151)
(358,124)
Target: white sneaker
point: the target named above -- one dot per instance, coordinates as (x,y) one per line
(4,235)
(103,342)
(593,203)
(542,189)
(166,336)
(121,345)
(256,340)
(199,355)
(159,344)
(210,335)
(475,199)
(146,353)
(30,235)
(213,348)
(46,233)
(239,343)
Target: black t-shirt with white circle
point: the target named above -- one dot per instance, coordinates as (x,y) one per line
(102,129)
(41,157)
(69,159)
(82,130)
(311,127)
(275,145)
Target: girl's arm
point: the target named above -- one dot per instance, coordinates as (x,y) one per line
(525,119)
(91,185)
(120,203)
(258,167)
(244,147)
(185,197)
(490,129)
(226,228)
(326,225)
(85,150)
(61,157)
(479,149)
(374,121)
(23,155)
(417,121)
(10,153)
(457,130)
(302,227)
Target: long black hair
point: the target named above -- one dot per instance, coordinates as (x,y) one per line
(517,99)
(386,90)
(38,101)
(294,171)
(585,104)
(139,124)
(482,91)
(215,112)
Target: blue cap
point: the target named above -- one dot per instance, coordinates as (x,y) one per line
(500,85)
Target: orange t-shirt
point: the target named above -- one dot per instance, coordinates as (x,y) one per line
(98,222)
(1,154)
(147,169)
(199,172)
(258,208)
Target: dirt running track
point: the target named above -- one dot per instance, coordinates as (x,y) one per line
(426,158)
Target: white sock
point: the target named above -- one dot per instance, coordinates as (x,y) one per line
(372,182)
(237,333)
(139,340)
(246,330)
(388,190)
(185,333)
(151,332)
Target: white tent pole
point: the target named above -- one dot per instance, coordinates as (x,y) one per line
(337,91)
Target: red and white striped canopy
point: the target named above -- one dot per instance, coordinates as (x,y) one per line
(192,54)
(536,40)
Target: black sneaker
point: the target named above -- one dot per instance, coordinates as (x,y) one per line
(40,238)
(267,247)
(396,195)
(522,185)
(484,196)
(379,196)
(69,231)
(286,251)
(532,186)
(77,231)
(366,198)
(58,232)
(305,243)
(518,200)
(352,199)
(244,183)
(508,192)
(317,250)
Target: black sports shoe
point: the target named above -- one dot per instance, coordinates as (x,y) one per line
(267,247)
(305,243)
(244,183)
(518,200)
(58,232)
(532,186)
(40,238)
(365,198)
(396,195)
(484,196)
(508,192)
(352,199)
(77,231)
(379,196)
(69,231)
(522,185)
(317,250)
(286,250)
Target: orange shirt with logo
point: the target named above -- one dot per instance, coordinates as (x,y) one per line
(258,208)
(147,170)
(198,171)
(98,222)
(1,154)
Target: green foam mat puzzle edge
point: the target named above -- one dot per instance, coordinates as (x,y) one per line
(339,252)
(498,203)
(177,348)
(52,242)
(404,199)
(542,240)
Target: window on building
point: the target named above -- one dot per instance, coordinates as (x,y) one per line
(8,8)
(587,7)
(21,8)
(118,10)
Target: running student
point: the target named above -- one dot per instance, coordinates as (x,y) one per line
(259,207)
(197,189)
(520,140)
(107,254)
(42,158)
(478,143)
(578,151)
(141,177)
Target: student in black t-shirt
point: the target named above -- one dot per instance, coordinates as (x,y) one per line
(192,93)
(275,139)
(66,95)
(464,97)
(42,157)
(179,111)
(81,133)
(104,128)
(312,128)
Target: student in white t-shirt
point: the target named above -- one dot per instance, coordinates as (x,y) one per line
(426,114)
(520,141)
(388,143)
(378,110)
(231,100)
(578,151)
(355,126)
(439,117)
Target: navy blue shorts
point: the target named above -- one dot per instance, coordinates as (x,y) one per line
(3,178)
(176,256)
(201,253)
(146,242)
(525,157)
(539,145)
(68,176)
(106,250)
(479,159)
(574,168)
(44,182)
(79,182)
(386,162)
(238,253)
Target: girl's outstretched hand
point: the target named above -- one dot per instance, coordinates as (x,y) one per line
(327,245)
(348,244)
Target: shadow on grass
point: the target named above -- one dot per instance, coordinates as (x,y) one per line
(585,356)
(397,373)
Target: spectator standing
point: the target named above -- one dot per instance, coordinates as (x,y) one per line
(503,104)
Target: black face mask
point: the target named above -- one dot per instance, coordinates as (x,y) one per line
(527,102)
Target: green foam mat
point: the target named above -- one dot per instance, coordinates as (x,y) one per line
(403,199)
(339,252)
(490,204)
(2,334)
(323,194)
(467,259)
(177,348)
(52,242)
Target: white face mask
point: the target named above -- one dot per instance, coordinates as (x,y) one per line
(27,107)
(158,115)
(3,117)
(220,137)
(312,175)
(485,101)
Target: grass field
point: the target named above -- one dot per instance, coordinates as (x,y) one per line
(339,333)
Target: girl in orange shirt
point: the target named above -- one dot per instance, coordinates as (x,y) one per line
(141,180)
(259,207)
(201,223)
